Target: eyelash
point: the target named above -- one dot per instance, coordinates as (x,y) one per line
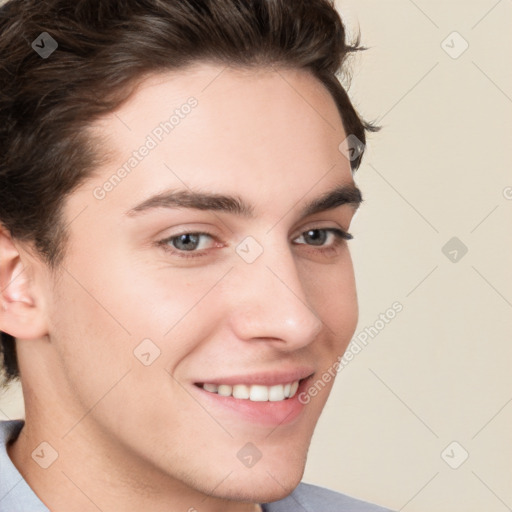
(340,237)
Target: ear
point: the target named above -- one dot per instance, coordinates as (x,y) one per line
(21,313)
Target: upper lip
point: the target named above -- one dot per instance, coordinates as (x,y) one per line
(265,378)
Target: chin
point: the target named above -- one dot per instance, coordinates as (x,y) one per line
(266,483)
(262,490)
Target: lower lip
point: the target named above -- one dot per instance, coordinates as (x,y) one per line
(267,413)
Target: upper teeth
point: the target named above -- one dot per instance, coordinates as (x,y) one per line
(256,393)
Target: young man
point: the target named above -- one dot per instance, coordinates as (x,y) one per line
(175,197)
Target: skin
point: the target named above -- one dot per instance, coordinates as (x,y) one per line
(132,437)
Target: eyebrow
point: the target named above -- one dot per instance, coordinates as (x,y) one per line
(342,195)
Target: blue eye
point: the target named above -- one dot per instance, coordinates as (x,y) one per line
(318,237)
(187,242)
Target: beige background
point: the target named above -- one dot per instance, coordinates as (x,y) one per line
(440,371)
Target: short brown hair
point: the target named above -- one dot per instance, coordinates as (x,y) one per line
(105,48)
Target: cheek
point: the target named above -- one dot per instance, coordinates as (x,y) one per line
(90,329)
(331,291)
(107,311)
(108,327)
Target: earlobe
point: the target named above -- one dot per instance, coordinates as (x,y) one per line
(21,314)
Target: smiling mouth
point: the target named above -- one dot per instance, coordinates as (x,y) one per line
(254,392)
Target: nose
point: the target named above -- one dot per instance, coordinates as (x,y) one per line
(269,302)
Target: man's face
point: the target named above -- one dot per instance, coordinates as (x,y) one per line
(140,317)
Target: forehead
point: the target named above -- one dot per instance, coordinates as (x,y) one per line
(225,89)
(224,129)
